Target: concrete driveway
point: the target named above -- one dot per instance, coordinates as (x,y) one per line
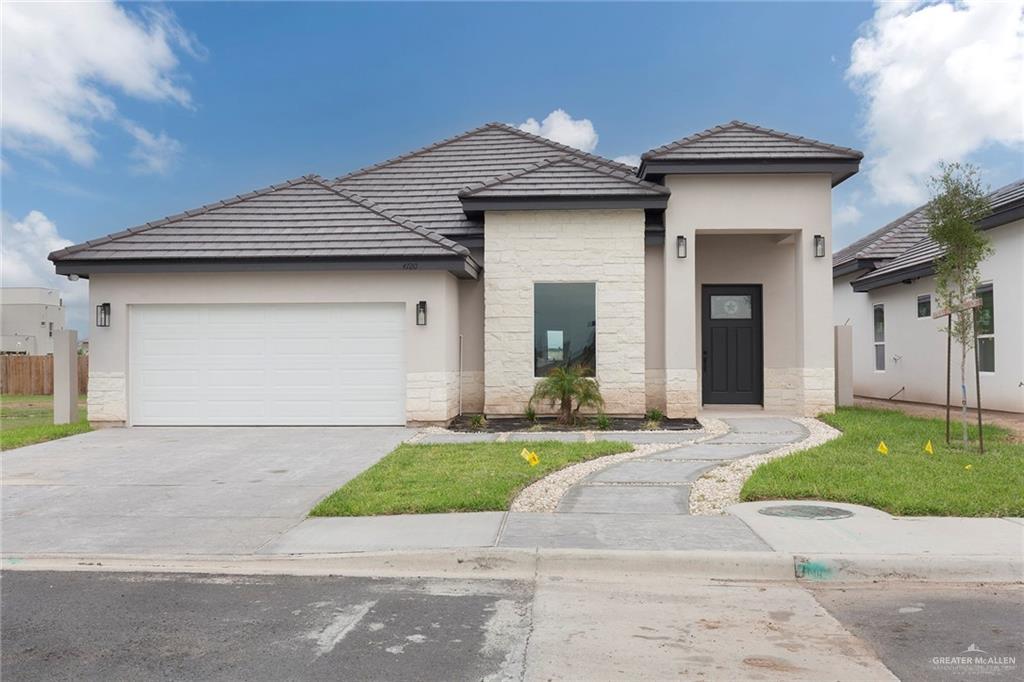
(177,490)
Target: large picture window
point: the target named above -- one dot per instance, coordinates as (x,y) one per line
(564,326)
(986,330)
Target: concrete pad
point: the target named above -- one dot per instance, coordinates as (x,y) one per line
(181,489)
(429,438)
(560,436)
(643,629)
(871,531)
(764,425)
(628,531)
(381,533)
(651,436)
(626,500)
(651,471)
(712,451)
(760,438)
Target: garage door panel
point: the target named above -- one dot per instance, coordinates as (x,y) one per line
(330,364)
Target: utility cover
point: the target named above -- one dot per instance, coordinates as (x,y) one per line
(806,511)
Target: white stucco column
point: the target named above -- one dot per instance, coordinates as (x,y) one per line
(682,355)
(814,322)
(65,377)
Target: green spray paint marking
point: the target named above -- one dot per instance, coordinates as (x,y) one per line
(813,570)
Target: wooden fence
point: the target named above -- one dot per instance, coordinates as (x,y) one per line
(33,374)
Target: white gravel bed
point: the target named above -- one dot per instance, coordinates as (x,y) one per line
(720,487)
(545,494)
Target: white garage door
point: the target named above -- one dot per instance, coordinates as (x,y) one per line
(316,364)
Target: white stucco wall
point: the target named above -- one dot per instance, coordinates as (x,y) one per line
(471,326)
(431,350)
(797,204)
(526,247)
(26,317)
(915,348)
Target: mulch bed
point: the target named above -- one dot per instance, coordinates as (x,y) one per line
(540,424)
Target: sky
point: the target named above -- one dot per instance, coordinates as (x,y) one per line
(118,114)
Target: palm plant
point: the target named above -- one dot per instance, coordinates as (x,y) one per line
(566,384)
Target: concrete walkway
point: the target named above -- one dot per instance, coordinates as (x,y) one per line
(642,504)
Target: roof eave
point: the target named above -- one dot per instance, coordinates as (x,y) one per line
(839,169)
(1005,214)
(895,277)
(475,204)
(464,267)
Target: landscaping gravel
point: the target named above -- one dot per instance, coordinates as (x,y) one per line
(720,487)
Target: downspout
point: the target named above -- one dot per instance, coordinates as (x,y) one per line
(460,375)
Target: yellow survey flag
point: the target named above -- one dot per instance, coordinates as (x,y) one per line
(928,448)
(530,457)
(883,448)
(969,467)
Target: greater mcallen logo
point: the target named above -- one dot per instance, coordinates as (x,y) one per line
(975,660)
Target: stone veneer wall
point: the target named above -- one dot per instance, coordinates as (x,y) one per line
(107,401)
(431,396)
(472,391)
(525,247)
(805,391)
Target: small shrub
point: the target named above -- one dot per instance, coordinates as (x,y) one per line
(536,427)
(654,415)
(478,422)
(603,421)
(563,385)
(651,425)
(531,414)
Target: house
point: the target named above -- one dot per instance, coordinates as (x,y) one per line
(449,279)
(28,317)
(884,287)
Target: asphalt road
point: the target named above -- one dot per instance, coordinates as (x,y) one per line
(116,626)
(158,626)
(917,629)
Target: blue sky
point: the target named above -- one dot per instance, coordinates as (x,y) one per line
(252,94)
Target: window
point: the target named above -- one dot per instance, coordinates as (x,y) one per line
(731,307)
(924,305)
(986,325)
(879,338)
(564,326)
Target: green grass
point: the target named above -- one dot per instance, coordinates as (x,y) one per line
(907,481)
(423,479)
(28,419)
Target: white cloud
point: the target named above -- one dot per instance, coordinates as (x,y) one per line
(628,159)
(941,81)
(62,62)
(153,153)
(563,128)
(844,215)
(26,244)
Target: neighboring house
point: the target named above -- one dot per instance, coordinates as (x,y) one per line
(449,279)
(884,287)
(29,316)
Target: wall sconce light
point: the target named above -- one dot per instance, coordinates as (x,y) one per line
(421,313)
(680,246)
(103,315)
(819,246)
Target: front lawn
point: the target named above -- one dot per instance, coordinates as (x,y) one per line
(423,479)
(907,481)
(28,419)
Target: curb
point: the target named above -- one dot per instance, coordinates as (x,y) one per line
(559,564)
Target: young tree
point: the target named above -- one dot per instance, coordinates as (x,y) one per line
(565,384)
(958,203)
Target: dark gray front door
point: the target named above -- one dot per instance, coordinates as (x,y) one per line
(733,366)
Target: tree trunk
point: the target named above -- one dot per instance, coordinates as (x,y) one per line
(566,417)
(963,391)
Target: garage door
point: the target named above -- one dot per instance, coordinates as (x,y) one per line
(315,364)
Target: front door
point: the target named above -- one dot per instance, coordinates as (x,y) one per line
(732,358)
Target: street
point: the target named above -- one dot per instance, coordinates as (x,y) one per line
(109,625)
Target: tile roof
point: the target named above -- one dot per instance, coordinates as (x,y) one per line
(740,141)
(566,176)
(300,218)
(424,185)
(924,251)
(888,241)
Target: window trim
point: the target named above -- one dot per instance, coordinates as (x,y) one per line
(919,315)
(874,337)
(533,322)
(987,286)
